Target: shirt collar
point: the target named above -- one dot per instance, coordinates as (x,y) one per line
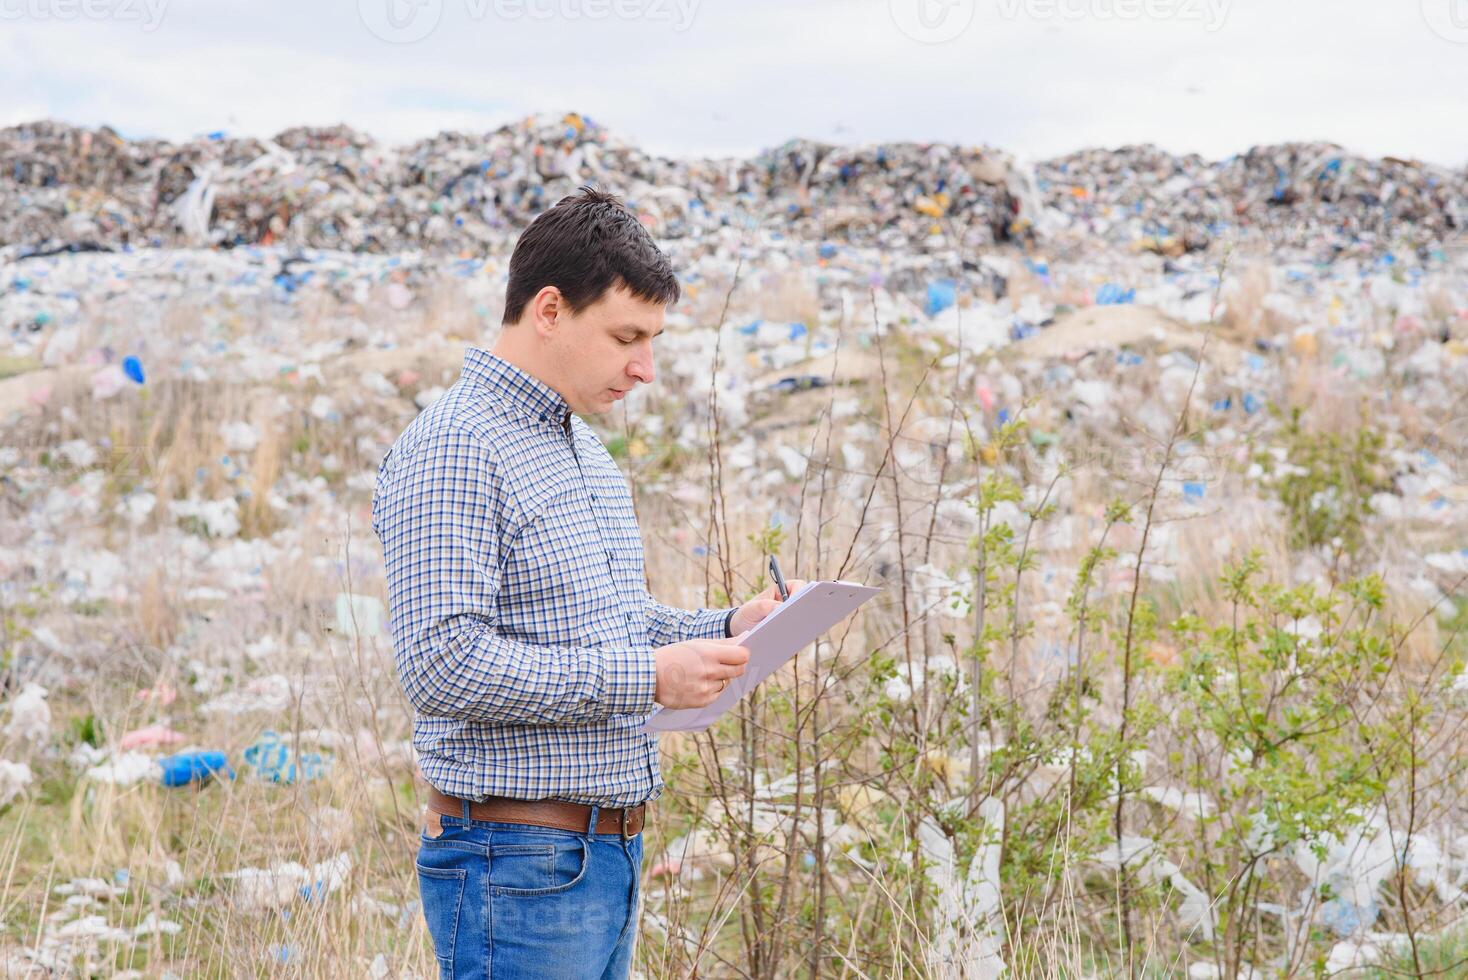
(517,388)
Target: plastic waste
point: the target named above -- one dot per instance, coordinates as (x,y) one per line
(107,382)
(358,616)
(272,759)
(1113,295)
(14,778)
(942,294)
(288,882)
(240,437)
(124,769)
(153,736)
(453,191)
(970,920)
(799,383)
(194,767)
(30,715)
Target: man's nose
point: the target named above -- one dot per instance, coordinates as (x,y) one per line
(641,368)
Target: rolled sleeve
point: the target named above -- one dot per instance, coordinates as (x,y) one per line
(445,524)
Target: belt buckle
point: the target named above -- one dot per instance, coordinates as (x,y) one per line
(625,836)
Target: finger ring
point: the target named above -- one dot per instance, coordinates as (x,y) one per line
(723,684)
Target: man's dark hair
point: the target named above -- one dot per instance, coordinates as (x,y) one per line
(586,245)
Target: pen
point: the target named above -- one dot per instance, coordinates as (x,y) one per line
(779,579)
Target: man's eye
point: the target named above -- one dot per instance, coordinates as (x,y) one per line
(624,343)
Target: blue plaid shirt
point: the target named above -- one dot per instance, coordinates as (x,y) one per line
(522,626)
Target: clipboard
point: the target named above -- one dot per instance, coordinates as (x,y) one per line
(794,625)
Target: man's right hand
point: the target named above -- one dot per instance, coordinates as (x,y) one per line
(692,673)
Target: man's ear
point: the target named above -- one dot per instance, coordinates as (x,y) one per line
(546,309)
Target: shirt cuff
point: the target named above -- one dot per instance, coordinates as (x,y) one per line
(629,680)
(706,624)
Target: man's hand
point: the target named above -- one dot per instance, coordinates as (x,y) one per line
(761,606)
(692,673)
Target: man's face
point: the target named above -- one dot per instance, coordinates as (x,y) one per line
(605,350)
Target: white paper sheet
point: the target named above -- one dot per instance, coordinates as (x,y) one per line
(794,625)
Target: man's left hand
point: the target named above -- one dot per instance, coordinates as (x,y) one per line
(756,609)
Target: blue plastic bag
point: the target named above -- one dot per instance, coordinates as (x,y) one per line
(274,760)
(193,767)
(942,293)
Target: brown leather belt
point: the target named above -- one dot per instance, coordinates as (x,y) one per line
(557,814)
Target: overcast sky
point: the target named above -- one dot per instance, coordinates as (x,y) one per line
(694,77)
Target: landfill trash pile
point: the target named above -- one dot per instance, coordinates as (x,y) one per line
(67,187)
(192,597)
(1311,197)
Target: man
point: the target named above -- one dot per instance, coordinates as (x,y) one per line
(524,636)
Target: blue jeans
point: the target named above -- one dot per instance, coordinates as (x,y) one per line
(508,900)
